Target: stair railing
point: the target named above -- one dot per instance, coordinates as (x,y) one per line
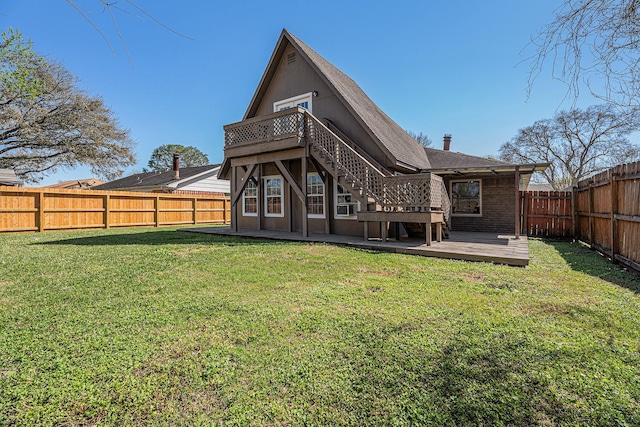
(356,169)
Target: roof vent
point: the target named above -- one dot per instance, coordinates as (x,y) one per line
(291,58)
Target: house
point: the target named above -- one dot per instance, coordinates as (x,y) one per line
(77,184)
(196,179)
(8,177)
(314,154)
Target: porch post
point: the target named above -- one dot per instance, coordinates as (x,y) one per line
(517,202)
(305,217)
(234,203)
(261,206)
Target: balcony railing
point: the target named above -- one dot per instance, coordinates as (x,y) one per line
(272,127)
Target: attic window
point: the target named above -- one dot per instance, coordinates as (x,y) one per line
(291,58)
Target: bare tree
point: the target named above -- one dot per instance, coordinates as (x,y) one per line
(47,123)
(576,143)
(592,41)
(421,138)
(114,8)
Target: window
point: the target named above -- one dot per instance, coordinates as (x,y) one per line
(250,199)
(273,200)
(315,196)
(466,198)
(346,205)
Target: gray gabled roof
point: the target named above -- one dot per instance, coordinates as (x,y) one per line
(8,177)
(382,129)
(154,179)
(445,162)
(443,159)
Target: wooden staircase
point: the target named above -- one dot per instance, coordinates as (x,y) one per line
(375,187)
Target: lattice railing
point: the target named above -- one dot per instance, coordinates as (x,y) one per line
(283,124)
(355,168)
(438,186)
(414,193)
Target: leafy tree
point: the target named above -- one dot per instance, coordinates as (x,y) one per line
(576,143)
(593,38)
(162,157)
(48,123)
(421,138)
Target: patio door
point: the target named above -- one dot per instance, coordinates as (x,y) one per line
(284,125)
(303,101)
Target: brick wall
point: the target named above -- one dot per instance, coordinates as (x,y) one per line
(498,207)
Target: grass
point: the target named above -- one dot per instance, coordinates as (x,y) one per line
(155,327)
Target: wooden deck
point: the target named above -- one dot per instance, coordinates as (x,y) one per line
(487,247)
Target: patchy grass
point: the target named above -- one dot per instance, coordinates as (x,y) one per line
(151,326)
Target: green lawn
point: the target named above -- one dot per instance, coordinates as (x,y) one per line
(155,327)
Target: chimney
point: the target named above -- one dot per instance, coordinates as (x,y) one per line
(447,142)
(176,166)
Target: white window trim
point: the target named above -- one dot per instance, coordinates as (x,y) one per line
(324,195)
(257,197)
(353,217)
(266,206)
(304,97)
(451,197)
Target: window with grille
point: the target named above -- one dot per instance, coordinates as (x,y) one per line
(250,199)
(273,199)
(315,196)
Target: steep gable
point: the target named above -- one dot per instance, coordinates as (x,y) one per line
(380,128)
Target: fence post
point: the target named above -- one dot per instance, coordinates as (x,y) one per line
(590,194)
(574,214)
(517,202)
(156,212)
(194,202)
(525,211)
(41,211)
(224,210)
(107,212)
(614,211)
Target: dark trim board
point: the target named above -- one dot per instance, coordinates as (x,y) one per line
(468,246)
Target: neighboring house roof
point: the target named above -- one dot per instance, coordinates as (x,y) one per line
(77,183)
(8,177)
(382,129)
(540,187)
(159,180)
(547,187)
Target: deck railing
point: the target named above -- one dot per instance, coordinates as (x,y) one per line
(280,125)
(413,192)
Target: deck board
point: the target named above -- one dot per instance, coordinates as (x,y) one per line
(469,246)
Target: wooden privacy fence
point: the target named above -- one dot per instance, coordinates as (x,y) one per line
(607,213)
(603,211)
(546,213)
(44,209)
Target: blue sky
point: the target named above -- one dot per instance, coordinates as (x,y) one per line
(434,67)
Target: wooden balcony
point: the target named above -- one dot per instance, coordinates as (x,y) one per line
(273,132)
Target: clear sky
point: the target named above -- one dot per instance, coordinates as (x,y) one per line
(433,66)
